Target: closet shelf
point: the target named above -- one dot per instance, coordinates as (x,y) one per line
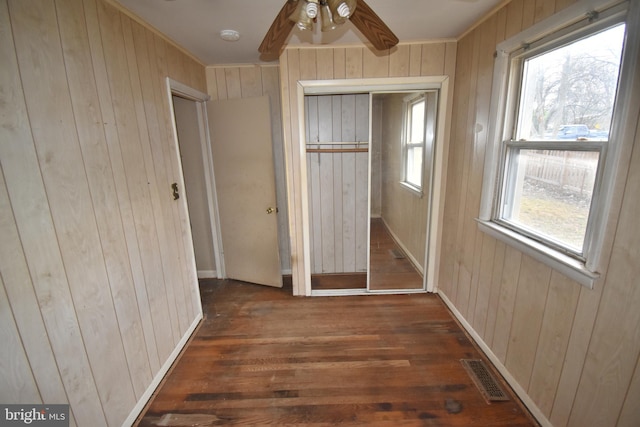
(337,150)
(360,147)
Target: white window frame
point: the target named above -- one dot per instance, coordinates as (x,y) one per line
(408,103)
(562,27)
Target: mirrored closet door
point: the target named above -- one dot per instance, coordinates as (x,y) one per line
(369,161)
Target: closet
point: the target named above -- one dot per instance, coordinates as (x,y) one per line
(366,231)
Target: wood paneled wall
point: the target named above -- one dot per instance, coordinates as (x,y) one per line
(338,182)
(99,286)
(404,212)
(574,351)
(327,63)
(248,81)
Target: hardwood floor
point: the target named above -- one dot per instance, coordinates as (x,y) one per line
(389,271)
(262,356)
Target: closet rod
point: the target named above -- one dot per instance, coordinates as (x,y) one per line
(337,150)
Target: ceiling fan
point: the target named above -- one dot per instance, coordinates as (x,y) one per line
(331,13)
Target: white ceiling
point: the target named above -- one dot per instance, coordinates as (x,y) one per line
(195,24)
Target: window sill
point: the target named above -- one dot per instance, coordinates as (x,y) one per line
(570,267)
(411,188)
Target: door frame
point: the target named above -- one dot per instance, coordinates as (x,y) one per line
(368,85)
(177,88)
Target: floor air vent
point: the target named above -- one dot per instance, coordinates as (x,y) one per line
(396,253)
(484,380)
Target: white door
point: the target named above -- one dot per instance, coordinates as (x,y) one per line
(240,131)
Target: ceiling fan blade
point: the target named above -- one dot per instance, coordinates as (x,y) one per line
(372,27)
(279,30)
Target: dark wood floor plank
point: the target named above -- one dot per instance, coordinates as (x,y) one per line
(262,356)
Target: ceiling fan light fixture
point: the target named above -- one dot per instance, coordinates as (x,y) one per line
(342,8)
(328,22)
(300,16)
(312,8)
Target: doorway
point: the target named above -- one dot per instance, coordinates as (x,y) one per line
(198,188)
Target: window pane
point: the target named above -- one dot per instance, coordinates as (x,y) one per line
(417,122)
(414,166)
(568,93)
(551,193)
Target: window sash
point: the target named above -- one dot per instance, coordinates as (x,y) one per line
(507,158)
(509,170)
(411,145)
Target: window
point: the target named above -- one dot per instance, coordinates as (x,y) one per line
(544,186)
(414,141)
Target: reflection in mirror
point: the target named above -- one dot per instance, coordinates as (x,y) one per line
(402,139)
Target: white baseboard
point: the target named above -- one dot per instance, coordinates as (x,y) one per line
(522,394)
(409,255)
(207,274)
(144,399)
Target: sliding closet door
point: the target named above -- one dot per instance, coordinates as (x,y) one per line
(337,133)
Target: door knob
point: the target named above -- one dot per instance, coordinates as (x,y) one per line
(271,210)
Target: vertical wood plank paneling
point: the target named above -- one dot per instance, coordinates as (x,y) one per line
(486,47)
(308,64)
(630,412)
(174,300)
(18,286)
(339,63)
(87,256)
(415,60)
(374,64)
(232,80)
(466,228)
(132,156)
(544,9)
(212,84)
(508,289)
(42,71)
(173,249)
(615,344)
(556,327)
(533,286)
(290,63)
(449,261)
(485,275)
(561,4)
(18,384)
(221,83)
(494,297)
(117,165)
(91,135)
(528,13)
(25,188)
(157,48)
(324,64)
(325,134)
(432,59)
(572,369)
(572,349)
(338,211)
(514,18)
(250,82)
(354,62)
(399,61)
